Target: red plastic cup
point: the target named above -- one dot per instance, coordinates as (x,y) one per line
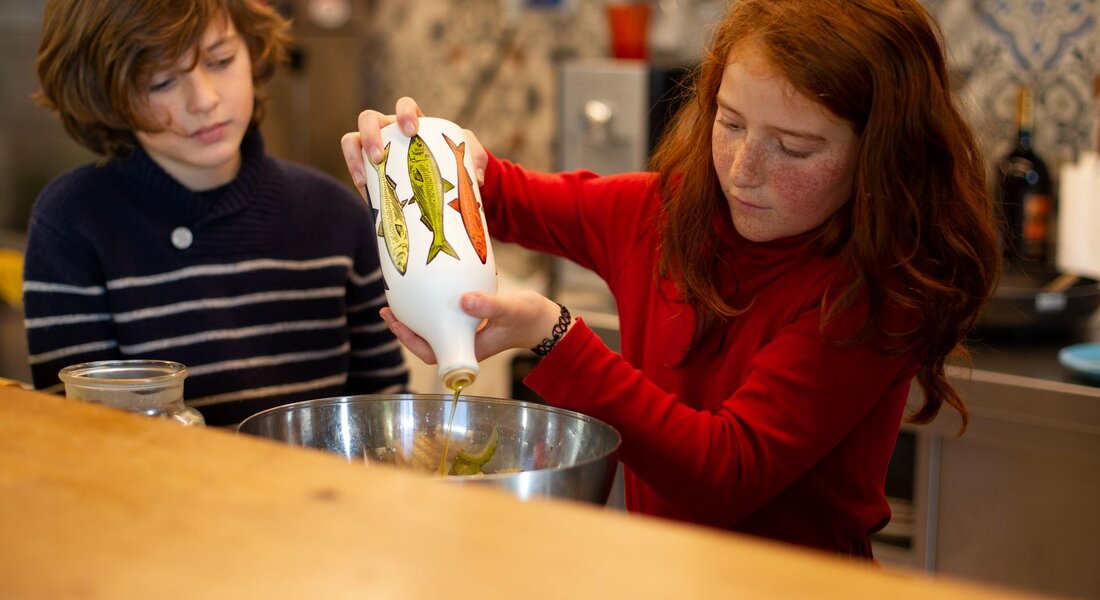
(629,23)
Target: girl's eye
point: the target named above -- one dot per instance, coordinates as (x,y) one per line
(792,153)
(728,124)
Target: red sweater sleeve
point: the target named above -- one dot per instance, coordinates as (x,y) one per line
(801,398)
(574,215)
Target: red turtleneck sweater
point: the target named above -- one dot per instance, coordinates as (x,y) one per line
(777,432)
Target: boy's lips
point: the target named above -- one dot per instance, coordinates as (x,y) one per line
(210,133)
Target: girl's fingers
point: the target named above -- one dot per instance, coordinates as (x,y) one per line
(416,344)
(480,156)
(408,114)
(371,123)
(352,148)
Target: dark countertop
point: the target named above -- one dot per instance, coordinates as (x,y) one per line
(1025,354)
(1032,354)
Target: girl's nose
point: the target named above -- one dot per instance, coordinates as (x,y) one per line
(746,169)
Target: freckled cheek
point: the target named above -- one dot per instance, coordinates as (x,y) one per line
(722,161)
(816,190)
(721,155)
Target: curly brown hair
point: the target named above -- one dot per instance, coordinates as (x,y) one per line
(919,232)
(95,59)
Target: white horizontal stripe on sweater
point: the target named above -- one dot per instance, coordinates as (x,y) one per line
(63,288)
(191,305)
(369,328)
(377,301)
(375,351)
(65,320)
(266,361)
(273,390)
(227,302)
(229,269)
(35,359)
(369,278)
(375,373)
(232,334)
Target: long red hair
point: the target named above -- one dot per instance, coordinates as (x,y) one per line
(919,230)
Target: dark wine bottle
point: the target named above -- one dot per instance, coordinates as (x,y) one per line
(1025,192)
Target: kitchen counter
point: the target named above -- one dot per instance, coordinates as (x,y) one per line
(1032,355)
(96,503)
(1014,500)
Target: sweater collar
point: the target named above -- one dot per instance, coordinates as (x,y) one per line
(751,266)
(735,249)
(138,169)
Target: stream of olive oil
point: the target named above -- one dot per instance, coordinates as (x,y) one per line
(447,432)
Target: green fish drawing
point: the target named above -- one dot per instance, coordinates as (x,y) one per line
(428,189)
(391,224)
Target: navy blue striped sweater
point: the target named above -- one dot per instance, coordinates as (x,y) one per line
(268,288)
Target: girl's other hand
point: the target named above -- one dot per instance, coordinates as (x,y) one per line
(517,320)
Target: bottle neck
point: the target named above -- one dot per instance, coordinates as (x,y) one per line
(1023,139)
(1025,118)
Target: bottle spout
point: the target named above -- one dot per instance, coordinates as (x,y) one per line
(458,379)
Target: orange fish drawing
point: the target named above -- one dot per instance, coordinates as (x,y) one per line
(466,203)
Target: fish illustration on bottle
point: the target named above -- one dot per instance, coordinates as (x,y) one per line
(466,203)
(391,216)
(428,189)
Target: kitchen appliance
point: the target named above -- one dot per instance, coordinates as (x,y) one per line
(561,454)
(1037,300)
(611,112)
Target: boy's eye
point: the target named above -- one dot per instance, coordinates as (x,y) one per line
(223,62)
(160,85)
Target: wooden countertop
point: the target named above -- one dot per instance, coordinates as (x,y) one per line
(96,503)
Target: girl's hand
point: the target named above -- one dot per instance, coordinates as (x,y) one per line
(369,139)
(517,320)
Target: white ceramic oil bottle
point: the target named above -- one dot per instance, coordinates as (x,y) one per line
(432,241)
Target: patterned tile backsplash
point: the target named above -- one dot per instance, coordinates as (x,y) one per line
(471,61)
(1051,45)
(474,63)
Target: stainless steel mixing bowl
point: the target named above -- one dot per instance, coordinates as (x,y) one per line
(542,450)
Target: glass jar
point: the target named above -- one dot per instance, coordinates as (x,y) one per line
(149,387)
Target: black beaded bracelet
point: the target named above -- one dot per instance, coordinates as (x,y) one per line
(547,344)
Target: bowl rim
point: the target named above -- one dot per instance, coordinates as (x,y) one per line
(434,397)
